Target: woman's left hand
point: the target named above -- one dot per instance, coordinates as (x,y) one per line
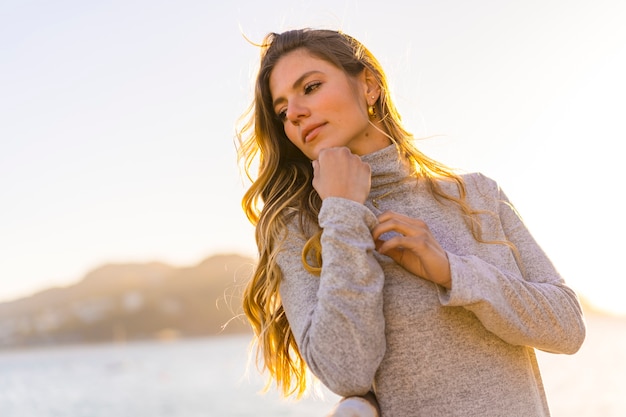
(356,406)
(413,247)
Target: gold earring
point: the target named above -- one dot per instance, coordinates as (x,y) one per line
(371,110)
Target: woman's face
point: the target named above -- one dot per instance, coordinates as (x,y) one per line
(322,107)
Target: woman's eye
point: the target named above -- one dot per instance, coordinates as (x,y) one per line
(311,86)
(308,88)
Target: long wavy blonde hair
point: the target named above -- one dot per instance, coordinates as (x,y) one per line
(282,189)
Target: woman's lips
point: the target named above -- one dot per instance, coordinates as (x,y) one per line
(312,132)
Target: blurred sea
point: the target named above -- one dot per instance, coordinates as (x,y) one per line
(207,377)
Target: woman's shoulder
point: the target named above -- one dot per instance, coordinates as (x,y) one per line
(473,183)
(480,190)
(479,181)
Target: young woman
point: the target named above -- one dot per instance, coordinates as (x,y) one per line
(380,270)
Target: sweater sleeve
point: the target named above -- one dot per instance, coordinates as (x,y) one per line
(531,306)
(337,318)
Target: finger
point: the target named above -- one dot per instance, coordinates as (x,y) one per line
(392,252)
(410,253)
(413,228)
(392,215)
(401,243)
(332,153)
(423,246)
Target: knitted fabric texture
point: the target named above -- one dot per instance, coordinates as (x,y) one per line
(367,322)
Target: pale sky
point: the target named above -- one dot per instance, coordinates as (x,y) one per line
(117,123)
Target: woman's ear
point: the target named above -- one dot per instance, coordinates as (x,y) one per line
(371,87)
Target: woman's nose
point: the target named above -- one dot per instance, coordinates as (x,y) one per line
(296,111)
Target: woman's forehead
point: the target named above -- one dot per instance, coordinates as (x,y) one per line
(292,66)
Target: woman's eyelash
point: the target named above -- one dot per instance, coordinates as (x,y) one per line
(311,86)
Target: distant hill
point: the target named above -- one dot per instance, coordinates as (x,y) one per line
(119,302)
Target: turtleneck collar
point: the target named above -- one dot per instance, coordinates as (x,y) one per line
(388,168)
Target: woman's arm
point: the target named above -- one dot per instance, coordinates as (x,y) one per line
(337,318)
(532,307)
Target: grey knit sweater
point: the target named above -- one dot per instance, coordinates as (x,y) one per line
(367,322)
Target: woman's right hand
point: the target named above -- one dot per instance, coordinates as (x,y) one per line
(337,172)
